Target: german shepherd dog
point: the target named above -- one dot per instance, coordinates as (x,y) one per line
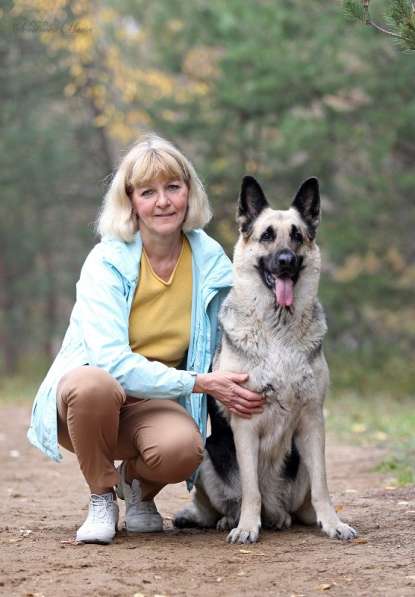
(267,469)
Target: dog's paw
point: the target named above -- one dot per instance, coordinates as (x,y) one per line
(225,523)
(241,535)
(181,522)
(283,521)
(185,519)
(340,531)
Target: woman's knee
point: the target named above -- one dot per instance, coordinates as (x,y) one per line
(174,458)
(90,388)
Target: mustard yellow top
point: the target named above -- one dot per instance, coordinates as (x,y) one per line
(160,316)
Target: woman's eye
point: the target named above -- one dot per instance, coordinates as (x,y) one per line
(173,187)
(147,192)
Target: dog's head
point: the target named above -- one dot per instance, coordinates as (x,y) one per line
(278,245)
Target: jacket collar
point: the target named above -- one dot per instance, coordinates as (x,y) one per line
(214,266)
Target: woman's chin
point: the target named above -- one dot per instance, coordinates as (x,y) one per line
(167,228)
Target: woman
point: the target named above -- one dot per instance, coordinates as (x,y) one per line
(130,379)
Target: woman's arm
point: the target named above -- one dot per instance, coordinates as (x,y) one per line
(103,312)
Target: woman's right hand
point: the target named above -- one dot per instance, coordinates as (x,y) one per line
(225,387)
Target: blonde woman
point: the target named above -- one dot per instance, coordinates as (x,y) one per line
(130,380)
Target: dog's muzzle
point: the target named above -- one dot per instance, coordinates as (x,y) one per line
(280,272)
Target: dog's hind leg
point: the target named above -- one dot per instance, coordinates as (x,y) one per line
(200,513)
(306,513)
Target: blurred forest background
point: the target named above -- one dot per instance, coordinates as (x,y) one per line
(279,90)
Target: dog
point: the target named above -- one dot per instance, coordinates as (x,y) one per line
(270,468)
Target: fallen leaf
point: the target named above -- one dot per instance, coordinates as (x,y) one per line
(339,508)
(358,540)
(252,553)
(325,587)
(71,542)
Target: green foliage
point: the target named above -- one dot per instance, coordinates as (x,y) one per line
(381,420)
(400,466)
(399,15)
(354,10)
(16,389)
(400,11)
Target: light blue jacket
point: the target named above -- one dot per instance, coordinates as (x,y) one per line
(98,332)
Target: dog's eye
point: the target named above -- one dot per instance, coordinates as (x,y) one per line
(268,235)
(296,235)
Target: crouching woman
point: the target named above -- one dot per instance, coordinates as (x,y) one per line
(130,380)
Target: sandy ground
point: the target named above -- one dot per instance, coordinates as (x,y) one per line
(42,503)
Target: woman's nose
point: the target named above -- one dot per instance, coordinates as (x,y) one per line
(162,198)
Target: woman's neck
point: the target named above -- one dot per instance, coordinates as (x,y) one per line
(162,249)
(163,252)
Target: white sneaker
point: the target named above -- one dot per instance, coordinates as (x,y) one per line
(140,517)
(101,523)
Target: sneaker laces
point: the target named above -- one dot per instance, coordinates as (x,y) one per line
(101,507)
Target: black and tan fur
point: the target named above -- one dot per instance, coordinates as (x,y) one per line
(265,470)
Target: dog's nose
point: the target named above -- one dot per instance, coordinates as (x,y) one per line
(286,259)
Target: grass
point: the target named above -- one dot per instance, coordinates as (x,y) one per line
(381,421)
(17,389)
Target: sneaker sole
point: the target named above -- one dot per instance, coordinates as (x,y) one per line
(148,529)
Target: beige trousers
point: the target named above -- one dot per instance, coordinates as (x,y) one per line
(96,420)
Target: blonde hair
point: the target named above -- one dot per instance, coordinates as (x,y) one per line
(151,157)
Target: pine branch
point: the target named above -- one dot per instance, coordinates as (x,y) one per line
(401,14)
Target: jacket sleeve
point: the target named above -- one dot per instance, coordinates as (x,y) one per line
(103,312)
(214,310)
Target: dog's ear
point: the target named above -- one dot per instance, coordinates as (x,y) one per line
(251,202)
(307,203)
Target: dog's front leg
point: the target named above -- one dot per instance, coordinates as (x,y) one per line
(310,441)
(247,446)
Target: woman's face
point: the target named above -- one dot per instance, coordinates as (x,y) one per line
(161,206)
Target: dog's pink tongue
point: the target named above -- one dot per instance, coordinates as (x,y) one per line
(284,291)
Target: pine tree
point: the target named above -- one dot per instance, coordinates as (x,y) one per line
(399,17)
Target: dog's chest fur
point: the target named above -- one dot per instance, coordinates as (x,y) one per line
(278,349)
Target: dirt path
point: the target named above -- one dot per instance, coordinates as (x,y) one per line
(42,503)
